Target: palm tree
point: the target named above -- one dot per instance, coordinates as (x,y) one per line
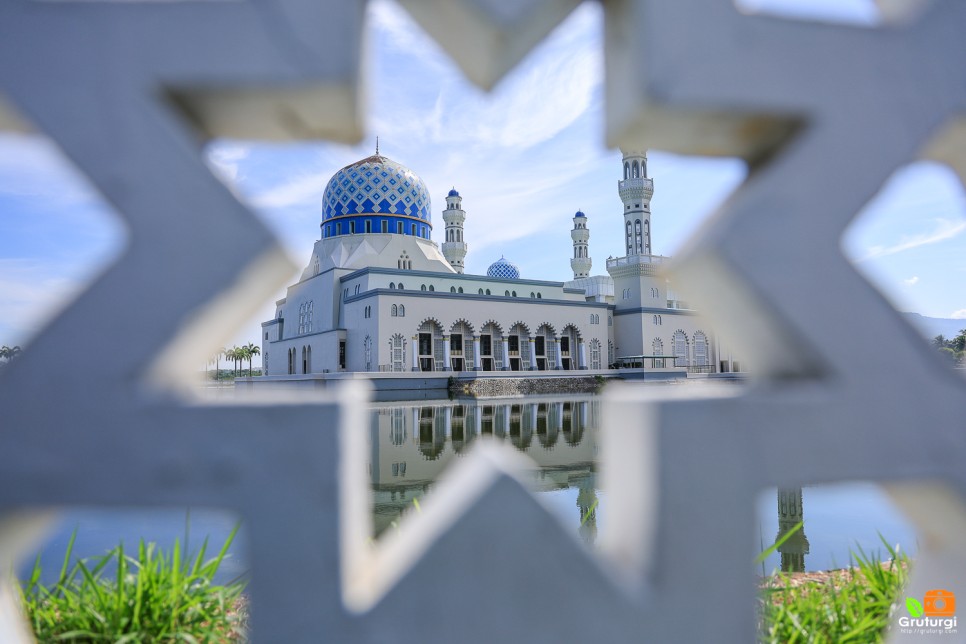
(958,343)
(252,350)
(218,355)
(232,354)
(4,352)
(9,353)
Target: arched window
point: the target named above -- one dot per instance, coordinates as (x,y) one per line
(397,346)
(400,287)
(682,356)
(402,311)
(591,318)
(533,295)
(422,288)
(514,293)
(481,291)
(459,290)
(367,345)
(432,288)
(700,349)
(392,285)
(358,286)
(636,170)
(395,311)
(488,291)
(627,170)
(539,297)
(452,289)
(595,354)
(506,293)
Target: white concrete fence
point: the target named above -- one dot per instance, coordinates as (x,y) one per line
(846,390)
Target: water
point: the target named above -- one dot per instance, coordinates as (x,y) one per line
(412,443)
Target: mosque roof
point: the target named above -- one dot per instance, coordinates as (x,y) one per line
(376,185)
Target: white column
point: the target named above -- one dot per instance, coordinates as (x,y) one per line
(556,342)
(506,420)
(506,353)
(415,353)
(533,417)
(583,354)
(477,363)
(477,420)
(559,409)
(533,355)
(448,421)
(446,361)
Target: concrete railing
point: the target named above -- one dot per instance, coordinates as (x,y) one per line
(125,89)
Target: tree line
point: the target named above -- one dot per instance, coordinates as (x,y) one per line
(9,353)
(237,355)
(954,348)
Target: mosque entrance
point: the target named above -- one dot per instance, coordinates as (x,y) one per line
(486,352)
(513,348)
(456,351)
(565,352)
(425,351)
(540,347)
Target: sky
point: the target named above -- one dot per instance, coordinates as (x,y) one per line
(524,157)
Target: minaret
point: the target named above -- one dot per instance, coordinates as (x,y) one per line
(581,261)
(454,248)
(790,512)
(636,190)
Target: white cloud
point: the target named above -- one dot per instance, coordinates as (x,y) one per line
(31,291)
(299,191)
(945,229)
(912,281)
(225,160)
(958,315)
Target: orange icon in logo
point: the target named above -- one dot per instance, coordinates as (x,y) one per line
(939,603)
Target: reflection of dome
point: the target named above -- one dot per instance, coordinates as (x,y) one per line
(453,193)
(503,268)
(388,195)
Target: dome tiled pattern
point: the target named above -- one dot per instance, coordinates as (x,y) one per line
(376,185)
(503,269)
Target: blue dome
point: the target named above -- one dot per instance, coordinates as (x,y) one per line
(453,193)
(503,269)
(379,186)
(580,213)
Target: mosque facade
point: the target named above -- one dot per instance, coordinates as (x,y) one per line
(378,295)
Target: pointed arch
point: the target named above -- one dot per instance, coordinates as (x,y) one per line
(595,354)
(681,348)
(700,352)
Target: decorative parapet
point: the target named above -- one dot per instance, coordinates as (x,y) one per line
(650,265)
(637,186)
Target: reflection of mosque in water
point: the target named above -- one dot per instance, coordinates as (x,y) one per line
(411,444)
(790,512)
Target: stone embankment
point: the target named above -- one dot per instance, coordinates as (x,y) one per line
(508,387)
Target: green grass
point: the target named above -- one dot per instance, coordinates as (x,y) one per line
(153,597)
(851,605)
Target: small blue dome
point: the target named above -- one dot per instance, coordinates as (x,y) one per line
(453,193)
(503,269)
(580,213)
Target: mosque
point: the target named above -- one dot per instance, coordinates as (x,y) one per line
(378,295)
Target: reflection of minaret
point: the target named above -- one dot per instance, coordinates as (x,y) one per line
(790,513)
(586,499)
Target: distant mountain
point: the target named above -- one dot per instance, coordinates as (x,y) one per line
(931,327)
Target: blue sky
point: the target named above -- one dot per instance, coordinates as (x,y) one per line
(524,157)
